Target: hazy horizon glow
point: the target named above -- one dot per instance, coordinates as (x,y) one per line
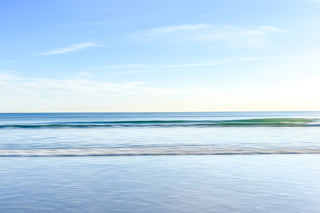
(152,56)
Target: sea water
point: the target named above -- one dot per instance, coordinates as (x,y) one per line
(160,162)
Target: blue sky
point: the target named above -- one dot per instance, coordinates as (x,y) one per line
(164,55)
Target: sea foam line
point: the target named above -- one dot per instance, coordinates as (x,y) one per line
(146,152)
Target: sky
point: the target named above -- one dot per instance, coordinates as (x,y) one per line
(159,55)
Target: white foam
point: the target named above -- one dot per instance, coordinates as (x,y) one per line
(146,151)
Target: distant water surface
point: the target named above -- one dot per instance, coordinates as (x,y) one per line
(99,134)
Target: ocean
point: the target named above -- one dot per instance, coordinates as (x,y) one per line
(160,162)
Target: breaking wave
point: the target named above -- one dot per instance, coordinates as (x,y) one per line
(265,122)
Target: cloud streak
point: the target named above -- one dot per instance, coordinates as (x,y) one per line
(73,87)
(72,48)
(156,67)
(22,94)
(233,35)
(125,66)
(170,29)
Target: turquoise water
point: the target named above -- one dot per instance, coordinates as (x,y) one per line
(160,162)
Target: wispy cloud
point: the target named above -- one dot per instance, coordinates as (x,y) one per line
(75,87)
(156,66)
(267,28)
(125,66)
(5,75)
(72,48)
(192,65)
(170,29)
(236,36)
(248,36)
(78,94)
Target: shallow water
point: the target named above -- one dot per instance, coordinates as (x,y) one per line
(238,183)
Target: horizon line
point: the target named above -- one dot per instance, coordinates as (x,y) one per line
(163,111)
